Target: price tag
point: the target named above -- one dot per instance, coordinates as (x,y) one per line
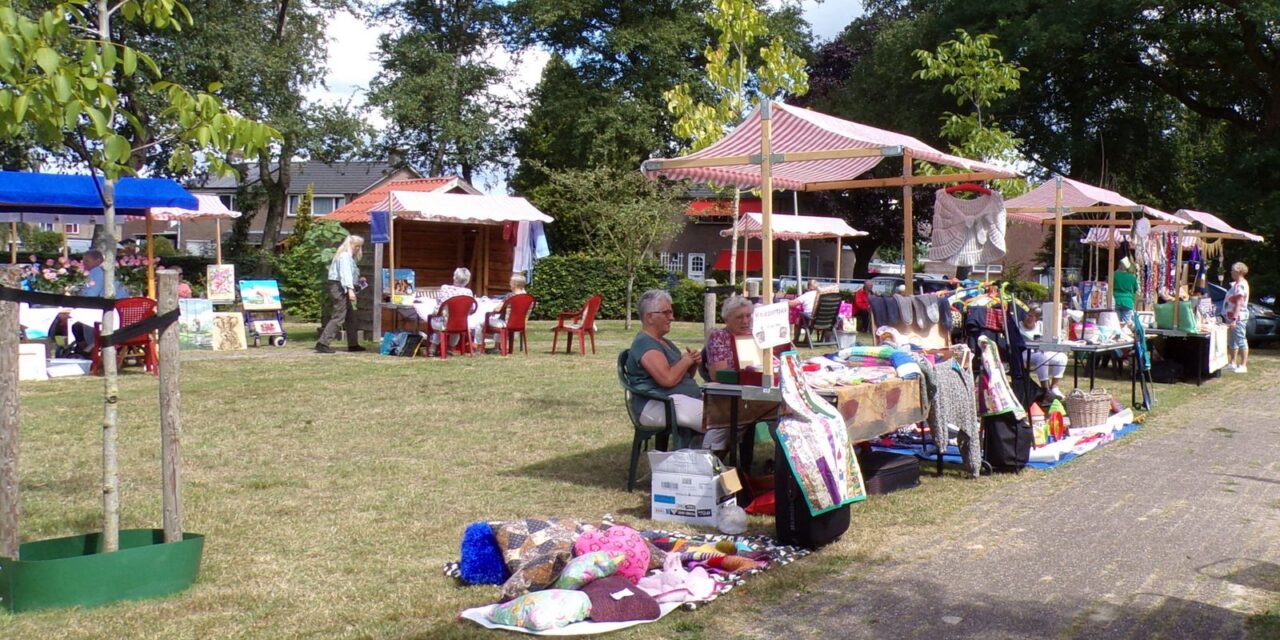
(770,325)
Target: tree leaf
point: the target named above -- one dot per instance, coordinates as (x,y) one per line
(61,88)
(129,61)
(47,59)
(117,148)
(108,58)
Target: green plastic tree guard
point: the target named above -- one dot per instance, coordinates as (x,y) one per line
(70,572)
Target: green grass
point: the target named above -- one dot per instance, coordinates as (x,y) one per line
(333,488)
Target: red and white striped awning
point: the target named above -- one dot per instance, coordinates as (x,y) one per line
(1215,224)
(210,207)
(792,227)
(1098,236)
(461,207)
(796,130)
(1037,204)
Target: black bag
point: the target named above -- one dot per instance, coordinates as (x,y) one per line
(412,343)
(794,524)
(885,472)
(1166,372)
(1006,441)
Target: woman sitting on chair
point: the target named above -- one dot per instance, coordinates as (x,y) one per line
(721,353)
(1049,366)
(656,365)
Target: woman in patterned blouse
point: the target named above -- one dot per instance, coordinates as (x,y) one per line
(721,353)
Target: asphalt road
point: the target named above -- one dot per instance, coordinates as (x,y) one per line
(1175,534)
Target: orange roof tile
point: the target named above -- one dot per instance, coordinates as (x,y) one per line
(357,211)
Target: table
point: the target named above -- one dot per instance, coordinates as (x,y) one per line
(741,450)
(1208,356)
(1092,351)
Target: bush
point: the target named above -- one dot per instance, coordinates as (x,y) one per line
(688,300)
(561,283)
(1029,291)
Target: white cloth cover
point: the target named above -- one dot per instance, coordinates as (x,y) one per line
(480,616)
(968,232)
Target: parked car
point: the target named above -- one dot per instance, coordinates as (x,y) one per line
(886,285)
(1263,326)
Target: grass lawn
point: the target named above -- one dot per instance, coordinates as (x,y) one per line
(332,488)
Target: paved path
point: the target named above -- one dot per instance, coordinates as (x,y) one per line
(1171,535)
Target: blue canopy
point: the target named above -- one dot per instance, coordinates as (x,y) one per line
(72,195)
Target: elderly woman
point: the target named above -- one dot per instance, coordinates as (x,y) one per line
(656,365)
(1049,366)
(722,353)
(1236,309)
(461,278)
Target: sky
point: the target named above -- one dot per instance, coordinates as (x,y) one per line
(353,44)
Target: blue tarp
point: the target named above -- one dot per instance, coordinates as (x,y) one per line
(72,195)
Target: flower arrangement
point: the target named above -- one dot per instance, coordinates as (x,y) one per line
(131,269)
(62,275)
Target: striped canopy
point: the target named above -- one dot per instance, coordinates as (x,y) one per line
(209,206)
(1215,224)
(1037,205)
(795,130)
(792,227)
(461,207)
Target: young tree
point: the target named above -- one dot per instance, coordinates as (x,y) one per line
(730,88)
(979,76)
(59,69)
(627,216)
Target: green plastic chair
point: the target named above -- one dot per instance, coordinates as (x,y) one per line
(642,433)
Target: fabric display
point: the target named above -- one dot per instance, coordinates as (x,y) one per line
(910,313)
(996,396)
(954,409)
(535,551)
(967,232)
(816,443)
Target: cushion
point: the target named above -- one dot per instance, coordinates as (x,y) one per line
(585,569)
(615,599)
(542,610)
(618,539)
(481,557)
(535,551)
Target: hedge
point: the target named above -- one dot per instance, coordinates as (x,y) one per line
(564,282)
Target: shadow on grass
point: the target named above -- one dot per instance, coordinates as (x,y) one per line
(1246,572)
(605,467)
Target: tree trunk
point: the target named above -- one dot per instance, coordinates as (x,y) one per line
(733,248)
(862,252)
(277,190)
(9,537)
(170,412)
(111,390)
(631,281)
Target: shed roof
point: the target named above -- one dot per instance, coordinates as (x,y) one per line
(357,211)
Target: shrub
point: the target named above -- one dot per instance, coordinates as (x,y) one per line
(687,300)
(1029,291)
(564,282)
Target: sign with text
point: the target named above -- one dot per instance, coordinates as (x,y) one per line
(770,325)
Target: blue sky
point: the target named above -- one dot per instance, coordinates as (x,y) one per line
(352,44)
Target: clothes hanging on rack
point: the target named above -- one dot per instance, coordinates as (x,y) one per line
(968,232)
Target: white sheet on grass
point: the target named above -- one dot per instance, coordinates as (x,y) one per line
(480,616)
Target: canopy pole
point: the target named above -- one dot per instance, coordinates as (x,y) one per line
(766,215)
(151,261)
(217,240)
(839,250)
(13,243)
(795,210)
(908,227)
(1177,274)
(63,228)
(1055,326)
(1111,259)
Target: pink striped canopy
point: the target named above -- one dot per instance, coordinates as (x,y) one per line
(793,227)
(1075,194)
(1213,223)
(1098,236)
(795,129)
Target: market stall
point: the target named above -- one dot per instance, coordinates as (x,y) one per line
(797,228)
(209,207)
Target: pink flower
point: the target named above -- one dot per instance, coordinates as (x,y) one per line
(62,260)
(62,271)
(50,276)
(49,262)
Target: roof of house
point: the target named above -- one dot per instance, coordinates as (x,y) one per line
(357,211)
(339,178)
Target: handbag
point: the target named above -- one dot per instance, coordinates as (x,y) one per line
(1187,320)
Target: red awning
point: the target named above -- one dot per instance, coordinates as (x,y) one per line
(722,207)
(752,258)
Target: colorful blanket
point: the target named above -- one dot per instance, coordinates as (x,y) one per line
(816,444)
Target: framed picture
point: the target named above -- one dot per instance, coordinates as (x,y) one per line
(260,295)
(401,288)
(266,327)
(195,324)
(220,283)
(228,332)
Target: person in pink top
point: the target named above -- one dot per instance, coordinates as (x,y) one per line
(1236,310)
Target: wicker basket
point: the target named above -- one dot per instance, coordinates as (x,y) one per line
(1088,408)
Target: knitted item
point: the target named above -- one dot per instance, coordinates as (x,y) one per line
(481,556)
(968,232)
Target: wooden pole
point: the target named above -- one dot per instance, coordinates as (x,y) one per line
(13,243)
(733,245)
(151,260)
(1111,259)
(486,261)
(709,309)
(839,250)
(217,240)
(63,228)
(170,411)
(766,215)
(9,420)
(377,291)
(1177,274)
(908,227)
(795,210)
(1055,325)
(111,387)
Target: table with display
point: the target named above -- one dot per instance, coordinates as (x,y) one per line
(1205,352)
(1091,352)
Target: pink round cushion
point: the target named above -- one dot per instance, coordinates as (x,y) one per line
(618,539)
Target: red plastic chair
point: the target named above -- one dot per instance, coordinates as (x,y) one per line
(581,322)
(130,310)
(454,312)
(515,311)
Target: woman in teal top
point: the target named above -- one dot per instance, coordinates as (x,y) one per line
(656,365)
(1126,287)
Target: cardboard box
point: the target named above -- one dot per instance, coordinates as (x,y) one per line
(690,486)
(31,361)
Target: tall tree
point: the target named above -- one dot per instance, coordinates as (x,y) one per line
(738,77)
(436,86)
(58,74)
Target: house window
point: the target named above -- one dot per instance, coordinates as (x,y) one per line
(46,226)
(672,262)
(320,205)
(228,200)
(71,229)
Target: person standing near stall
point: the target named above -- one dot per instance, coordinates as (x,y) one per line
(341,287)
(1126,288)
(1236,309)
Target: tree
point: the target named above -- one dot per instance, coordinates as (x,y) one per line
(37,240)
(436,86)
(302,221)
(730,88)
(59,69)
(979,77)
(627,216)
